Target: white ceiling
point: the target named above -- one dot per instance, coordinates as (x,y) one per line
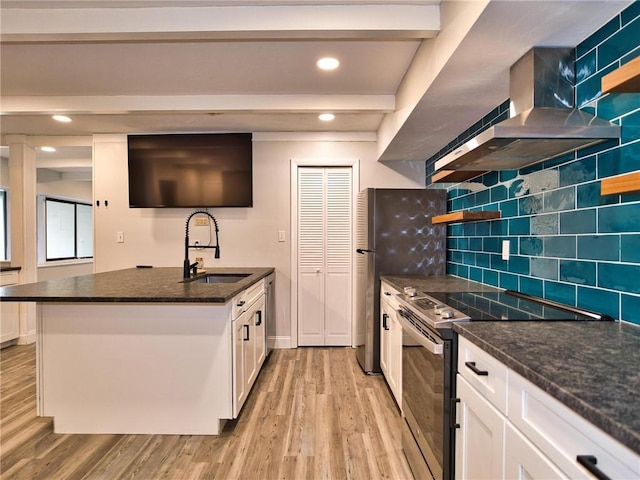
(413,74)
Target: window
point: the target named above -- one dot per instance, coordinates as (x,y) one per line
(68,230)
(4,240)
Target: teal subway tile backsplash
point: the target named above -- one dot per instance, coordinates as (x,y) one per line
(598,37)
(631,308)
(531,246)
(598,300)
(620,160)
(630,248)
(619,44)
(560,246)
(630,13)
(599,247)
(578,221)
(579,272)
(631,125)
(619,276)
(568,243)
(580,171)
(560,292)
(588,195)
(545,224)
(619,218)
(561,199)
(544,268)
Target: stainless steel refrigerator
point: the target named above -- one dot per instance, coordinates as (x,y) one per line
(394,237)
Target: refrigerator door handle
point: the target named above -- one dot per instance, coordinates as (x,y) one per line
(362,251)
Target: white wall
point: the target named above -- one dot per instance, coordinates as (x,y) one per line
(248,236)
(4,172)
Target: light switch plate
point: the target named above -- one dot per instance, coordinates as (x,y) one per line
(120,237)
(281,237)
(505,249)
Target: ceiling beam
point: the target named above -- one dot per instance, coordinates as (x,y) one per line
(217,23)
(195,104)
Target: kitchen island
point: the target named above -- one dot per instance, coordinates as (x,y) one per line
(140,351)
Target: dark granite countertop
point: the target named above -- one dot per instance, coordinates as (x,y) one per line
(134,285)
(437,283)
(592,367)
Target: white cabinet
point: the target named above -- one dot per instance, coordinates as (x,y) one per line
(482,390)
(524,461)
(9,311)
(391,341)
(510,428)
(562,435)
(249,342)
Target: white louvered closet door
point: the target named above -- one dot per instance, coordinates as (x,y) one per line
(324,256)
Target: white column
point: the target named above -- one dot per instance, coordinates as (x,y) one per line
(23,224)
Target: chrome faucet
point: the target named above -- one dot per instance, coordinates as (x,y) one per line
(188,266)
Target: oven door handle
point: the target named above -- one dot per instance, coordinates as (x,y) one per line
(433,347)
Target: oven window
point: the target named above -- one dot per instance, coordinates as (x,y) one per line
(423,392)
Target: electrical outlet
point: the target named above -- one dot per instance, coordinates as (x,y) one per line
(120,237)
(202,222)
(281,237)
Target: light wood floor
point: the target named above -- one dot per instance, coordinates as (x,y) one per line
(311,414)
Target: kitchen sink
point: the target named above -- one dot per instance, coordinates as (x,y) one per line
(218,278)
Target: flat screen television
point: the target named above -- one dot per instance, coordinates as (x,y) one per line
(190,170)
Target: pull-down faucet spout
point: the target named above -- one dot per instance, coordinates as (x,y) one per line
(186,271)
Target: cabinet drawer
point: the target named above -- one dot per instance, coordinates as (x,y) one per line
(254,292)
(524,460)
(562,435)
(8,278)
(244,299)
(484,372)
(389,294)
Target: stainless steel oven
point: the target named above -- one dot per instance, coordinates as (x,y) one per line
(429,358)
(428,376)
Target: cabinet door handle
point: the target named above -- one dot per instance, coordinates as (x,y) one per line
(384,321)
(453,414)
(472,366)
(589,462)
(387,293)
(241,303)
(259,321)
(246,333)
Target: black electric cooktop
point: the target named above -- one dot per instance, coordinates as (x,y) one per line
(509,305)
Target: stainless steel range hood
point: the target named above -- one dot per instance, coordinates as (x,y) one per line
(544,123)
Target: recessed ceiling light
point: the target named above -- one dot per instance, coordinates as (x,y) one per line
(328,63)
(326,117)
(61,118)
(47,149)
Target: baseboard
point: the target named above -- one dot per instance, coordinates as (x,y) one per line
(27,338)
(278,342)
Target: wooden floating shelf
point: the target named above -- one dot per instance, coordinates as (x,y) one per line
(627,183)
(625,79)
(450,176)
(466,216)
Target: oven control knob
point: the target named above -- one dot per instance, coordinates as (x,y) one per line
(439,308)
(447,313)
